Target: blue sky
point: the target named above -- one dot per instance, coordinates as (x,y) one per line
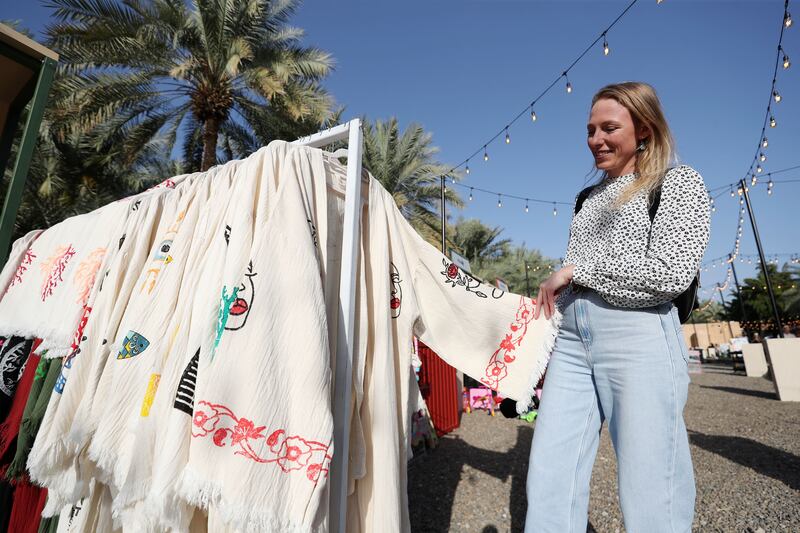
(464,69)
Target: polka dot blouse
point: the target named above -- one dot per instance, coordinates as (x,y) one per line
(616,253)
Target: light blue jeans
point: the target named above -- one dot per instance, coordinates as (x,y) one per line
(628,367)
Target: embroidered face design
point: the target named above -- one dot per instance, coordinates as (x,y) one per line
(161,255)
(133,345)
(396,299)
(241,305)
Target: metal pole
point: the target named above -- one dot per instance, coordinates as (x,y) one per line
(444,218)
(764,268)
(26,146)
(527,283)
(738,290)
(724,305)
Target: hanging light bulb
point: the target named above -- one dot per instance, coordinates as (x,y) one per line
(753,181)
(467,169)
(739,191)
(776,95)
(605,45)
(485,154)
(526,206)
(508,137)
(786,62)
(470,194)
(733,195)
(764,143)
(555,210)
(533,114)
(499,201)
(759,169)
(769,186)
(772,122)
(787,20)
(762,157)
(569,85)
(741,200)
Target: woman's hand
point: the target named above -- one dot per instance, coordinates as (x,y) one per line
(550,288)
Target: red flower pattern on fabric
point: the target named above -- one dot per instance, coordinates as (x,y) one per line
(290,453)
(27,259)
(54,267)
(452,271)
(497,368)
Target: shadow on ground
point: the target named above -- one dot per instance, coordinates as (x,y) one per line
(744,392)
(766,460)
(433,479)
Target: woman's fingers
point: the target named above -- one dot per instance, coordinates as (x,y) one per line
(545,297)
(538,308)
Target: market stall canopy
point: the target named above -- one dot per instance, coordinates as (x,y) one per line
(18,72)
(27,70)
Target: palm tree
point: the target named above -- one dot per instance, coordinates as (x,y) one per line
(478,242)
(134,69)
(405,165)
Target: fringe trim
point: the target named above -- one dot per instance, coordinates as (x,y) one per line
(550,334)
(54,341)
(57,469)
(203,493)
(166,512)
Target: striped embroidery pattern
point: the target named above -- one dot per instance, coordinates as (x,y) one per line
(184,397)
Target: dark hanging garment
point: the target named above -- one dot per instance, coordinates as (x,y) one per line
(13,355)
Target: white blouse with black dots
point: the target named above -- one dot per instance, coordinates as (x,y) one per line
(616,252)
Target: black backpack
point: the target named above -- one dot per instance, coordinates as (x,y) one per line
(686,302)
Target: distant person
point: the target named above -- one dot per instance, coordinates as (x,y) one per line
(757,337)
(787,332)
(620,356)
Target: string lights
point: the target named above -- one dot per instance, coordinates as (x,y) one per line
(529,107)
(775,97)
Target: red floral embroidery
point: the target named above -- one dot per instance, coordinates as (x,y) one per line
(166,184)
(53,269)
(454,277)
(86,273)
(288,452)
(27,259)
(77,337)
(497,368)
(452,271)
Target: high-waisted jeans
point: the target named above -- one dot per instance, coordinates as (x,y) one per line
(628,367)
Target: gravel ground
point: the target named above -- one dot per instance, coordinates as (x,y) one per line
(745,447)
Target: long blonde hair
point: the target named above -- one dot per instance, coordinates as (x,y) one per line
(641,100)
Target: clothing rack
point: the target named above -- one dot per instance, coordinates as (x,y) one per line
(351,238)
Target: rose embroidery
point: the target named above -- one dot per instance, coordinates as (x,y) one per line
(295,453)
(454,277)
(205,419)
(452,271)
(245,430)
(291,453)
(497,368)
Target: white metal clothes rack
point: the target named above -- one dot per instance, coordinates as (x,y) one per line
(351,238)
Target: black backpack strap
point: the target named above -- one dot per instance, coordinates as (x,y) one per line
(655,199)
(582,196)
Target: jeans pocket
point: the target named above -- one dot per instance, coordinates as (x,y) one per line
(676,321)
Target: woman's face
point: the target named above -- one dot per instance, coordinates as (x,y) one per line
(612,138)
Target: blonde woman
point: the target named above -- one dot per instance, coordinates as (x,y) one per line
(620,357)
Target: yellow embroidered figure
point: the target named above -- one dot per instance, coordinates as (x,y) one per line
(161,256)
(150,394)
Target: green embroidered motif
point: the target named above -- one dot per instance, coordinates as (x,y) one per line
(222,316)
(41,368)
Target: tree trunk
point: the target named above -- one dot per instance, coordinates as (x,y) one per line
(210,131)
